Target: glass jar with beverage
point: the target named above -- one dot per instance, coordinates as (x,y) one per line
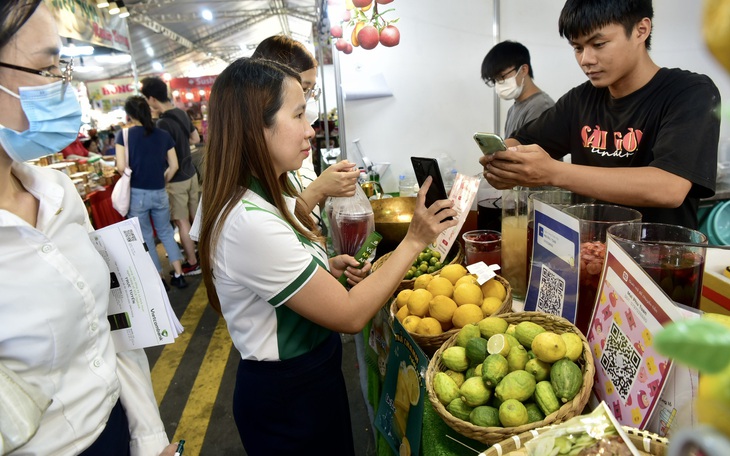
(663,251)
(483,245)
(514,237)
(594,219)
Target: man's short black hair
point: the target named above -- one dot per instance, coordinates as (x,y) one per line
(156,88)
(581,17)
(502,57)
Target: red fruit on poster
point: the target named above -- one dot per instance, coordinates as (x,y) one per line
(336,31)
(353,38)
(341,44)
(362,3)
(348,49)
(368,37)
(383,2)
(346,16)
(390,36)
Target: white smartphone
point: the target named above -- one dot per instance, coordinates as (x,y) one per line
(489,143)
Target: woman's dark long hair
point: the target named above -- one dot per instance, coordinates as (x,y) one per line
(243,103)
(13,15)
(282,49)
(137,108)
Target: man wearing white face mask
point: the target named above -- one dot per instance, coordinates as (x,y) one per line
(507,68)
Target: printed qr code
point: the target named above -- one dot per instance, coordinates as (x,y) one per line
(551,293)
(620,360)
(129,234)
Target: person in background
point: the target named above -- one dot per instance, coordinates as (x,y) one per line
(507,68)
(55,334)
(337,180)
(284,314)
(183,190)
(637,134)
(150,154)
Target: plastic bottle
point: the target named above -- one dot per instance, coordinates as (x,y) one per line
(407,185)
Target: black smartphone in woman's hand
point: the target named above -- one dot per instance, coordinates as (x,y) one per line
(424,167)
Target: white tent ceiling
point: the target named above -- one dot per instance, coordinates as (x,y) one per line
(176,34)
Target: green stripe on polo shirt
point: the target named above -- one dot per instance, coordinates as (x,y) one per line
(296,335)
(287,292)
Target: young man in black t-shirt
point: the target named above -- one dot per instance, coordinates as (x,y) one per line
(637,134)
(182,190)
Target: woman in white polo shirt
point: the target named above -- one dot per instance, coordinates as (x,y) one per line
(266,269)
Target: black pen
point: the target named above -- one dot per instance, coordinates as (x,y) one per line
(180,447)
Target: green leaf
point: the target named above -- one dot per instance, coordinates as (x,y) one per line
(698,343)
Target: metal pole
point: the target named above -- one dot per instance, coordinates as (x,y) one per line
(495,37)
(135,76)
(340,102)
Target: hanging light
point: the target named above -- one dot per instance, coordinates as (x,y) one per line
(102,3)
(113,8)
(123,12)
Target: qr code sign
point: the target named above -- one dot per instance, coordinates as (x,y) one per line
(620,360)
(551,293)
(129,234)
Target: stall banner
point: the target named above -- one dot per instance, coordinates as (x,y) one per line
(555,266)
(630,309)
(192,83)
(81,20)
(108,94)
(400,411)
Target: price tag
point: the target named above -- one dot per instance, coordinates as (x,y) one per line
(483,271)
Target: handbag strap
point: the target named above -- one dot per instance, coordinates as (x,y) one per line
(125,135)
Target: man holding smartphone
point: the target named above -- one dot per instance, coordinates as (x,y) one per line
(507,68)
(638,135)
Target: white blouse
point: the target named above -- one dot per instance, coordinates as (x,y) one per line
(53,327)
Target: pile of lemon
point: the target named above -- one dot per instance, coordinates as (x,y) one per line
(451,299)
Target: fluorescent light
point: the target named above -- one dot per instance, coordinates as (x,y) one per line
(74,51)
(102,3)
(150,51)
(87,69)
(157,66)
(123,12)
(189,96)
(176,93)
(113,58)
(207,15)
(201,92)
(113,8)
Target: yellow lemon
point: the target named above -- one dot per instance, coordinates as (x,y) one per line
(418,302)
(498,345)
(490,305)
(453,272)
(411,323)
(440,286)
(428,326)
(422,281)
(468,293)
(414,386)
(402,313)
(511,329)
(549,347)
(573,346)
(402,298)
(442,308)
(490,326)
(468,313)
(494,288)
(405,448)
(469,278)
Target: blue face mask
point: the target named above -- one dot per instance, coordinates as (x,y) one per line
(54,118)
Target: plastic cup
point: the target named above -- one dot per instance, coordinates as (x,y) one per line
(659,250)
(483,245)
(595,219)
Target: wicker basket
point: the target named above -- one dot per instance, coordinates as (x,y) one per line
(646,442)
(429,344)
(492,435)
(408,284)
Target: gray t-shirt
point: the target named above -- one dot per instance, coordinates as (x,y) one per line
(524,111)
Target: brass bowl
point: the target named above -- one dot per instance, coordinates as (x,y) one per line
(392,218)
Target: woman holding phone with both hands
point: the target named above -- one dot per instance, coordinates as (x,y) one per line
(55,286)
(266,268)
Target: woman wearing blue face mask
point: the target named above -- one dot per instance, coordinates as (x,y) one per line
(55,286)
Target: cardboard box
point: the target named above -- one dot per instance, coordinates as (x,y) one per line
(715,285)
